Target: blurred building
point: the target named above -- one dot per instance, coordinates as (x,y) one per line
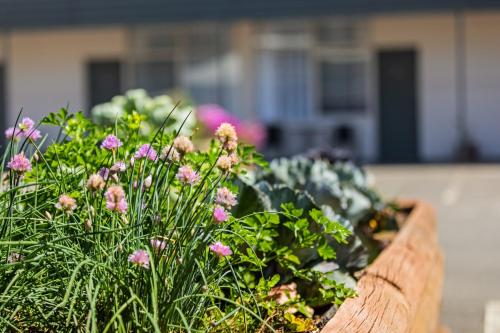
(395,81)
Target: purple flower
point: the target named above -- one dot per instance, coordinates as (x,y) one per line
(157,244)
(225,197)
(111,142)
(220,215)
(12,133)
(26,124)
(119,167)
(104,173)
(115,199)
(145,151)
(187,175)
(212,115)
(139,258)
(66,203)
(19,163)
(220,249)
(96,183)
(33,135)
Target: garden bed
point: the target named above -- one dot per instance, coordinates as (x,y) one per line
(154,234)
(401,291)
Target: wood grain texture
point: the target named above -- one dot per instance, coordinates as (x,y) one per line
(401,291)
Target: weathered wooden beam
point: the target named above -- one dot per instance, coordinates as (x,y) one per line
(401,291)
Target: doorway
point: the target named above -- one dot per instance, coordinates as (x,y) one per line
(398,114)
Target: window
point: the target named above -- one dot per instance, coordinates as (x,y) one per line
(343,86)
(309,69)
(104,81)
(342,59)
(194,58)
(284,72)
(156,76)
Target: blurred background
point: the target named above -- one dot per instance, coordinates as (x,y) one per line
(382,81)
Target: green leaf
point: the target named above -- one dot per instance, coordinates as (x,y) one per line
(326,251)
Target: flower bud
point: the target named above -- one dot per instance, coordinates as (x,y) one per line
(87,225)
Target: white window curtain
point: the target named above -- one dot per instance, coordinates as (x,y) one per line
(284,75)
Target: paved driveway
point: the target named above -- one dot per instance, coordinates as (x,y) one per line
(467,199)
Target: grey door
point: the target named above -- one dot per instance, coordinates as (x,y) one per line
(103,81)
(397,82)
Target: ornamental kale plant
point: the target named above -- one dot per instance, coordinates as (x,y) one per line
(340,189)
(107,231)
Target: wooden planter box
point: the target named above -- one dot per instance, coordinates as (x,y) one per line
(401,290)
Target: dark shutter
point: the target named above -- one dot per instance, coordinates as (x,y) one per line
(103,81)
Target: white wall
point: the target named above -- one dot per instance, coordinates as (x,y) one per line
(46,69)
(483,81)
(433,37)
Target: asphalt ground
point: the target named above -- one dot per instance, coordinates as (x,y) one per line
(467,201)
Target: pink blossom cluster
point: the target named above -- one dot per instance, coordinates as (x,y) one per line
(146,151)
(139,258)
(187,175)
(66,203)
(26,129)
(212,116)
(220,215)
(115,199)
(158,245)
(19,163)
(220,249)
(225,197)
(111,142)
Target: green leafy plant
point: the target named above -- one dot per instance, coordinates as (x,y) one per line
(111,230)
(146,112)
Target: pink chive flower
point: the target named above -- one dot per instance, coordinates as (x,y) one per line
(111,142)
(187,175)
(66,203)
(12,133)
(26,124)
(225,197)
(119,167)
(220,215)
(148,181)
(19,163)
(220,249)
(146,151)
(212,115)
(157,244)
(104,173)
(33,135)
(139,258)
(115,199)
(226,133)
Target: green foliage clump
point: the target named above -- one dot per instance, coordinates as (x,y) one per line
(148,113)
(111,229)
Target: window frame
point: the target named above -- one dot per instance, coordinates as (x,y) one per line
(317,53)
(331,53)
(179,53)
